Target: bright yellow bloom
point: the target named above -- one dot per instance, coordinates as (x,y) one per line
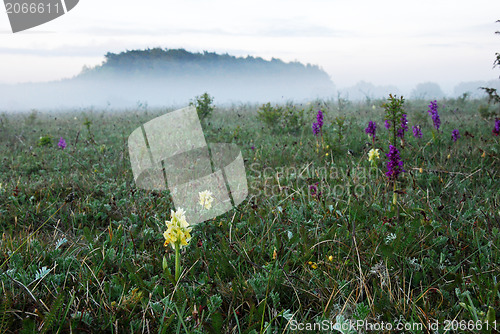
(313,265)
(177,229)
(330,258)
(373,154)
(206,199)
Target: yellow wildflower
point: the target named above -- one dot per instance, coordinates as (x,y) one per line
(178,230)
(373,154)
(206,199)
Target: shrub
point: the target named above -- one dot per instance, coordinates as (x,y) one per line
(290,118)
(45,141)
(271,116)
(293,118)
(204,105)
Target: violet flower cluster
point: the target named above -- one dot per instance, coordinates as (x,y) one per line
(455,134)
(313,188)
(387,124)
(403,128)
(433,111)
(316,127)
(394,165)
(417,132)
(371,129)
(496,129)
(62,143)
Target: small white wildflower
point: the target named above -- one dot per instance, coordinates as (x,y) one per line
(206,199)
(413,262)
(390,238)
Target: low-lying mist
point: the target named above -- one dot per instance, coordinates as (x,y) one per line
(117,94)
(171,78)
(129,93)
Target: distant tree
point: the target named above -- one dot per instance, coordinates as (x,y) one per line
(427,90)
(203,104)
(492,92)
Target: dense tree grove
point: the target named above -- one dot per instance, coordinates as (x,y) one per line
(160,62)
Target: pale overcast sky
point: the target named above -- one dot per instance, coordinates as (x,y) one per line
(385,42)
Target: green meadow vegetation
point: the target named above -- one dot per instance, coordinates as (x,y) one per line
(324,236)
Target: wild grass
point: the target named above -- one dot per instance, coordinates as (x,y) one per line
(318,239)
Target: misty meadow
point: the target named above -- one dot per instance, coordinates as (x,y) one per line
(373,215)
(354,213)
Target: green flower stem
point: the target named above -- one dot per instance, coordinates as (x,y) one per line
(394,195)
(395,200)
(177,261)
